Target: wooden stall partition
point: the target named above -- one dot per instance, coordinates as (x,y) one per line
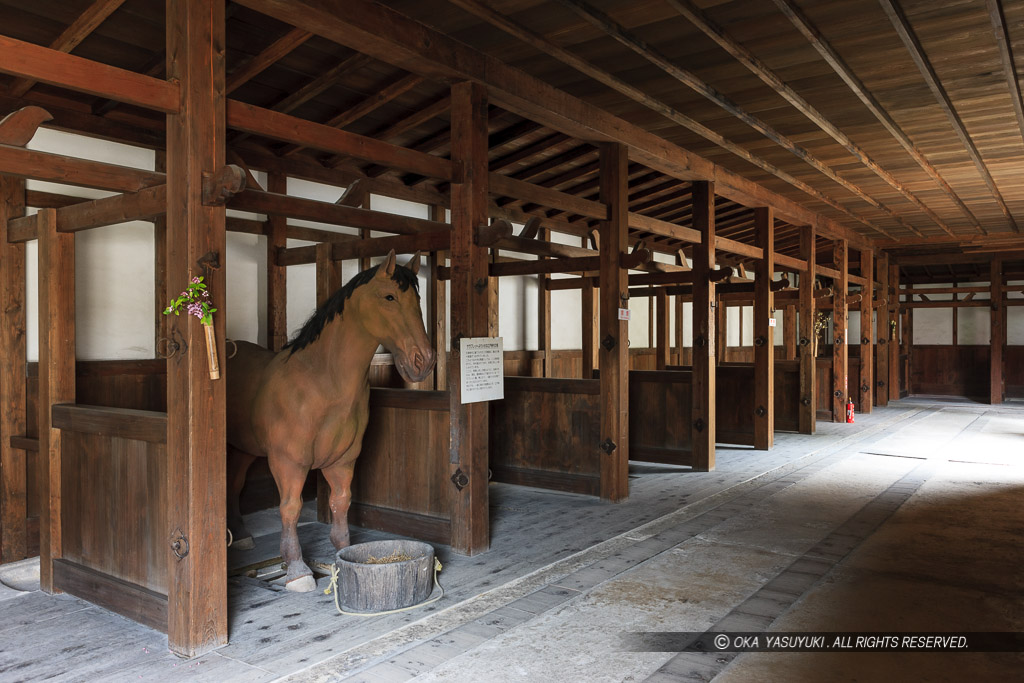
(660,424)
(735,403)
(809,388)
(1014,362)
(840,389)
(787,396)
(545,433)
(402,481)
(823,387)
(14,461)
(951,370)
(114,510)
(865,386)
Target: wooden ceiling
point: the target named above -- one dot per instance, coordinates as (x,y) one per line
(900,120)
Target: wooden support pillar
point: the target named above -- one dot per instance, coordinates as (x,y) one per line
(614,354)
(663,347)
(840,383)
(437,305)
(704,337)
(722,336)
(764,337)
(469,317)
(867,344)
(196,437)
(882,333)
(679,329)
(277,275)
(808,361)
(544,316)
(13,463)
(56,378)
(328,281)
(160,292)
(591,329)
(998,340)
(893,332)
(789,334)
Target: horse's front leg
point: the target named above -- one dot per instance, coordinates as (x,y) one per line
(339,476)
(290,477)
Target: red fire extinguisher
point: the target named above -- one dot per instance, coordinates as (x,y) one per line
(849,410)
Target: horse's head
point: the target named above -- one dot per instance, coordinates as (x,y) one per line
(391,307)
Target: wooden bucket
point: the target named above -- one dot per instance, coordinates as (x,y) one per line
(367,587)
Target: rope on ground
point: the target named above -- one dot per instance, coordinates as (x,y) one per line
(333,588)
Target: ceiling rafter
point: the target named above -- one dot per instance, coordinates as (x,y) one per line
(544,45)
(433,110)
(843,70)
(87,22)
(772,79)
(629,40)
(268,56)
(913,45)
(523,153)
(1002,33)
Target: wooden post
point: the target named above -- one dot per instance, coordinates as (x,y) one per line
(894,337)
(808,361)
(722,337)
(544,316)
(469,317)
(704,337)
(56,378)
(13,463)
(998,332)
(664,348)
(591,329)
(196,441)
(840,383)
(679,329)
(160,268)
(277,275)
(789,334)
(882,333)
(764,334)
(437,305)
(613,450)
(867,344)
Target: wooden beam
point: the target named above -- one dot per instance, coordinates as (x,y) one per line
(30,164)
(832,58)
(278,126)
(388,35)
(197,585)
(687,78)
(367,248)
(840,378)
(258,63)
(469,317)
(131,206)
(56,379)
(776,83)
(764,334)
(866,390)
(509,187)
(613,451)
(997,320)
(87,22)
(705,339)
(591,325)
(13,461)
(881,336)
(277,275)
(437,305)
(917,53)
(37,63)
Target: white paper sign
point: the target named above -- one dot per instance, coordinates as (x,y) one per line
(624,314)
(771,322)
(482,367)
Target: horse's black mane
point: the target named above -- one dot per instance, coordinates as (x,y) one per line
(310,332)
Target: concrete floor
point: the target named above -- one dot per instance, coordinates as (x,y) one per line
(912,523)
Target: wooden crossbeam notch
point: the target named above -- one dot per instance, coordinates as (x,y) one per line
(18,127)
(354,194)
(531,229)
(222,185)
(489,235)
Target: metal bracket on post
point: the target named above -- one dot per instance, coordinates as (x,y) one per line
(460,479)
(699,425)
(608,446)
(179,544)
(608,342)
(761,412)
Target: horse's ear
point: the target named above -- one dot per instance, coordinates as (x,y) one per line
(414,263)
(389,264)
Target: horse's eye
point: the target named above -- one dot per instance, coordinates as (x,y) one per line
(389,297)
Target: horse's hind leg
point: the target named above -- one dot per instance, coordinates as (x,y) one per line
(238,465)
(340,478)
(290,478)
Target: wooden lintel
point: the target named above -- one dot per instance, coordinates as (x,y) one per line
(85,215)
(57,168)
(367,248)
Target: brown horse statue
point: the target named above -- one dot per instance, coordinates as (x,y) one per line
(307,406)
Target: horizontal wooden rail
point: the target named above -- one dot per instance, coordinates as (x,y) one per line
(553,385)
(124,423)
(553,199)
(85,215)
(409,399)
(657,226)
(43,64)
(278,126)
(368,248)
(738,248)
(57,168)
(117,595)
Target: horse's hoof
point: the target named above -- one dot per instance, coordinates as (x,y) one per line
(303,584)
(243,543)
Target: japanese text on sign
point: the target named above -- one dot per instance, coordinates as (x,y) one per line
(481,364)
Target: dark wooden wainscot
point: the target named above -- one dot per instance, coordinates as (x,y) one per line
(401,483)
(545,434)
(114,502)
